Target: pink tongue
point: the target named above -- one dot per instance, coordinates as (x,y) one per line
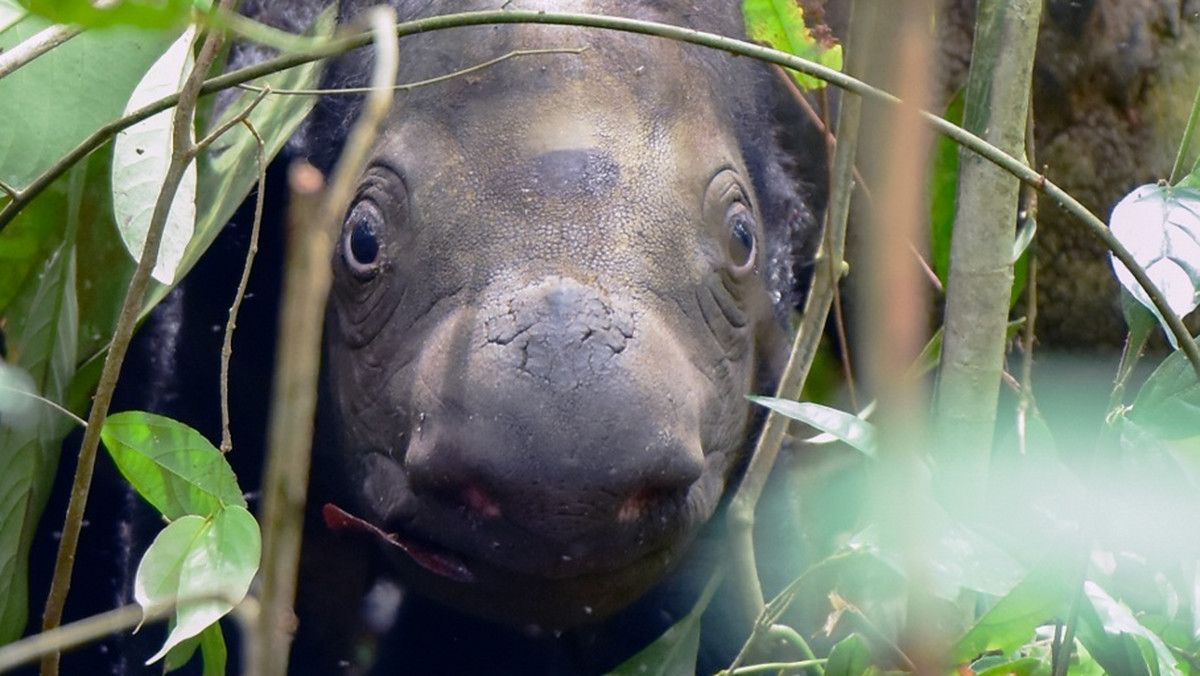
(442,563)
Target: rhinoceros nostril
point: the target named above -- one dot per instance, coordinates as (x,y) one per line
(479,502)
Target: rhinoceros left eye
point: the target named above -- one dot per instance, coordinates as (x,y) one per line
(742,245)
(361,248)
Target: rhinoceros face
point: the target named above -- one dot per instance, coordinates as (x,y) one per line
(548,305)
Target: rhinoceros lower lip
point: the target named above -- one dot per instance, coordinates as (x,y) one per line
(433,559)
(445,562)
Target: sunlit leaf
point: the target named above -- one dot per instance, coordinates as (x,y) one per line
(202,566)
(170,464)
(851,429)
(780,25)
(141,155)
(1161,228)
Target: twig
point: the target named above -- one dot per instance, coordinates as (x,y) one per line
(506,16)
(231,324)
(181,156)
(420,83)
(33,47)
(306,288)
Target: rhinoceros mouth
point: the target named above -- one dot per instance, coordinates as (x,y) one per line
(463,568)
(430,557)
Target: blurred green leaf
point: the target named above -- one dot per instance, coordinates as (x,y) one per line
(851,429)
(202,567)
(41,325)
(780,24)
(1118,641)
(850,657)
(1011,622)
(170,464)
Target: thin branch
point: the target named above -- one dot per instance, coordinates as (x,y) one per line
(420,83)
(182,155)
(227,343)
(305,294)
(35,46)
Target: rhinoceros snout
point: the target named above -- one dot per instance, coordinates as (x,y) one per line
(547,414)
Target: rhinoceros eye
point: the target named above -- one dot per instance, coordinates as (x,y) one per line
(361,247)
(742,244)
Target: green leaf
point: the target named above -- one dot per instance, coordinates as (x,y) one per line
(943,192)
(1039,598)
(10,14)
(1160,226)
(41,329)
(170,464)
(228,169)
(1142,650)
(851,429)
(850,657)
(52,103)
(1024,666)
(211,643)
(147,13)
(1168,404)
(141,156)
(675,651)
(202,566)
(780,25)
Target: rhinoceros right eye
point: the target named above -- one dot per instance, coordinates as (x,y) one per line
(361,248)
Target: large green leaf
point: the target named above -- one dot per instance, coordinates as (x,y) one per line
(51,104)
(1168,405)
(41,329)
(147,13)
(202,567)
(170,464)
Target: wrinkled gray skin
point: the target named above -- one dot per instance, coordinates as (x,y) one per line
(558,280)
